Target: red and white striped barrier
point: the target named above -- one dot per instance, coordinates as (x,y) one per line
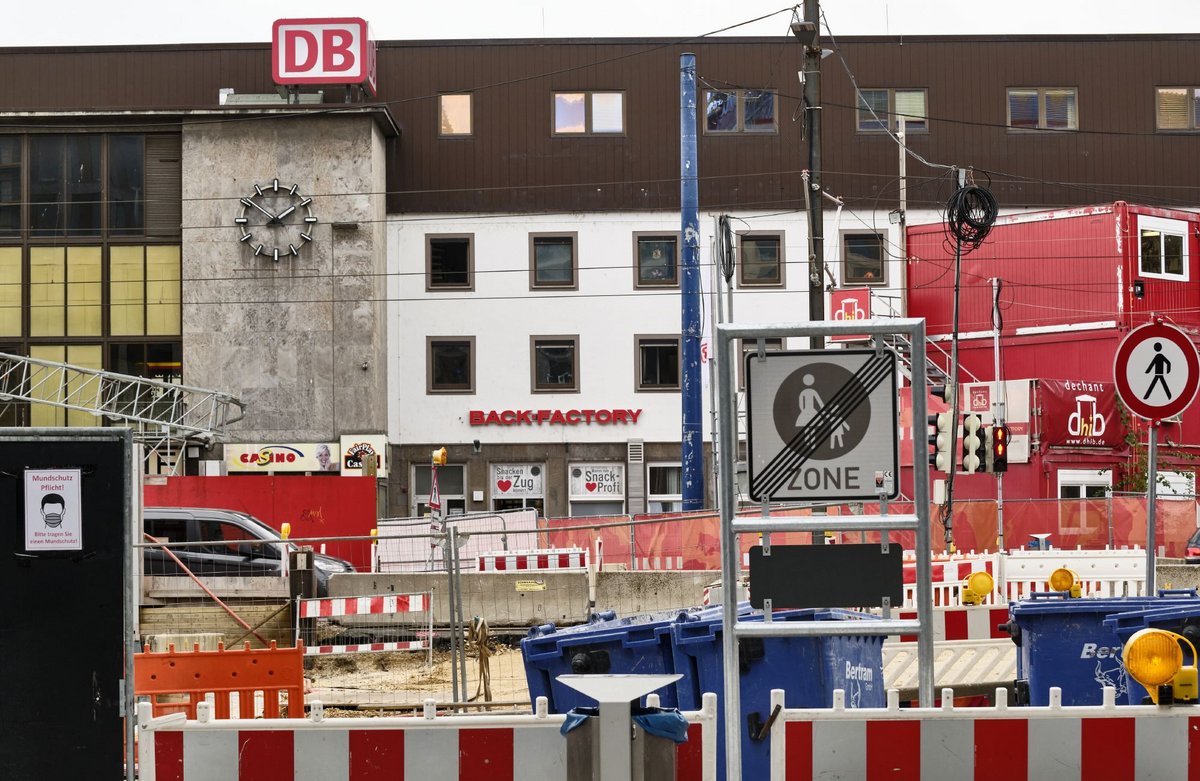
(981,744)
(376,604)
(428,748)
(360,648)
(379,604)
(548,560)
(974,622)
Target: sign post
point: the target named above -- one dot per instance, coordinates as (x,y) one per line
(1157,371)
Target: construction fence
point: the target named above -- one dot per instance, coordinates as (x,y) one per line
(436,610)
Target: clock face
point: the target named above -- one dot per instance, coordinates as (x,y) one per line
(276,221)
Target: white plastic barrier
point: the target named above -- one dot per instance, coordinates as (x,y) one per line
(1055,742)
(421,748)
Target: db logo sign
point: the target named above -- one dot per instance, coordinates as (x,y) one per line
(323,51)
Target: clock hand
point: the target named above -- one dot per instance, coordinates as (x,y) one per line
(249,202)
(285,213)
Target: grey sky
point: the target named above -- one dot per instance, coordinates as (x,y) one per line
(76,23)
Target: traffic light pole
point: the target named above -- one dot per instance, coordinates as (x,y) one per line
(998,411)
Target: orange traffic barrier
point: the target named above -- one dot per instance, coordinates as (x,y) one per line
(177,681)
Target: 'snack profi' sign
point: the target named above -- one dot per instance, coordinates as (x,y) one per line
(323,51)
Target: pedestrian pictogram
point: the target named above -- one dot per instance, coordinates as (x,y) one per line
(1157,371)
(822,424)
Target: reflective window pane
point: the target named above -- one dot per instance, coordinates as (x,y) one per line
(759,106)
(608,112)
(47,291)
(553,261)
(658,363)
(163,291)
(1023,108)
(872,109)
(1173,109)
(760,260)
(450,262)
(910,105)
(454,115)
(1060,110)
(10,291)
(126,291)
(84,312)
(720,111)
(863,258)
(10,185)
(656,260)
(46,195)
(554,364)
(450,365)
(83,185)
(126,185)
(1173,254)
(569,112)
(1151,252)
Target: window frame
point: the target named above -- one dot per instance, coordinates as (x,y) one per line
(638,282)
(639,385)
(588,114)
(1192,93)
(469,389)
(534,387)
(892,117)
(574,283)
(741,265)
(470,96)
(1164,226)
(845,264)
(739,129)
(430,287)
(674,499)
(1041,101)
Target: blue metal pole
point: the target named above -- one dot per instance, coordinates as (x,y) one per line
(689,202)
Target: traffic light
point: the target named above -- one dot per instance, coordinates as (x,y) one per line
(973,451)
(941,457)
(439,456)
(998,449)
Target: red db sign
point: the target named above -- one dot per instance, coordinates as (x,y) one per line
(323,51)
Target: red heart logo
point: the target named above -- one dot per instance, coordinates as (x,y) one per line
(504,485)
(590,486)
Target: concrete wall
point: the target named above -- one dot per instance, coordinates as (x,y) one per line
(507,600)
(290,339)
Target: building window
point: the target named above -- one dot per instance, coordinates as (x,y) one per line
(882,109)
(1177,108)
(452,482)
(1163,248)
(862,259)
(739,111)
(761,260)
(555,362)
(656,260)
(10,185)
(518,486)
(664,488)
(658,363)
(749,347)
(65,185)
(450,262)
(589,113)
(596,489)
(454,115)
(1043,108)
(450,364)
(553,261)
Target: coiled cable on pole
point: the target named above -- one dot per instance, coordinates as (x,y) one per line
(970,215)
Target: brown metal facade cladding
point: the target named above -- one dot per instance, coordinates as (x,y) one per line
(513,162)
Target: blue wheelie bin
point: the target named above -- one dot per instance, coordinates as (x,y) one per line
(1066,643)
(633,645)
(808,669)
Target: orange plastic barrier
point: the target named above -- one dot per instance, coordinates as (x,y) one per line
(192,675)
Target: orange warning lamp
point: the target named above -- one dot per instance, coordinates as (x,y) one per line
(1065,580)
(439,456)
(976,587)
(1154,658)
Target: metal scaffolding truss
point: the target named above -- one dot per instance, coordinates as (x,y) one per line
(163,416)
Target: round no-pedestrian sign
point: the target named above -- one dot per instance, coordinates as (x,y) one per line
(1157,371)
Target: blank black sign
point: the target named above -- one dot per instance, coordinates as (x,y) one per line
(798,576)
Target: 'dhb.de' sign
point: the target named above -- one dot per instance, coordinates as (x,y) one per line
(323,51)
